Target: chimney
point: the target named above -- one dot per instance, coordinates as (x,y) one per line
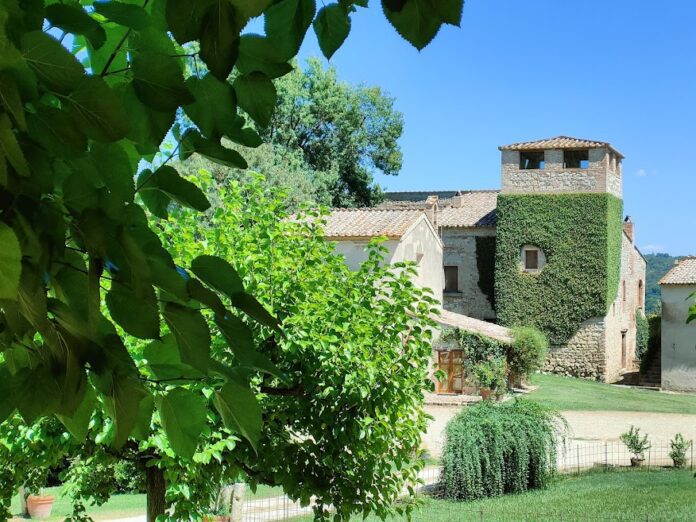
(458,200)
(629,228)
(432,210)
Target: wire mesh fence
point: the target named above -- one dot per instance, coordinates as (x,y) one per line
(575,458)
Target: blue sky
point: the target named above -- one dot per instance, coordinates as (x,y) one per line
(618,71)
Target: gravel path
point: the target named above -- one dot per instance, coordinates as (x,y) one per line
(585,425)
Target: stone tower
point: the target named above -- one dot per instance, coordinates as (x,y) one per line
(559,251)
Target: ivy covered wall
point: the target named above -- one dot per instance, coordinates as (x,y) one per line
(485,263)
(580,235)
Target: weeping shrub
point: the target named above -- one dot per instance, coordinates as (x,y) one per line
(492,449)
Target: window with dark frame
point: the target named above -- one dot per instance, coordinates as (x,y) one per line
(531,159)
(531,259)
(451,279)
(576,159)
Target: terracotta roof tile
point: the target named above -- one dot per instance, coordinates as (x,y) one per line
(559,142)
(462,209)
(683,273)
(370,222)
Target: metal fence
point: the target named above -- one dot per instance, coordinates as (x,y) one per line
(577,457)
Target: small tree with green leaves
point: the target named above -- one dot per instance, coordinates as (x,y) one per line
(527,352)
(636,444)
(678,447)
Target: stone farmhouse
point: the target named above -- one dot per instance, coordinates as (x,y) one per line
(678,336)
(550,249)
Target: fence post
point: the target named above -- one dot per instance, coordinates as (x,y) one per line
(606,457)
(481,514)
(577,452)
(691,465)
(648,459)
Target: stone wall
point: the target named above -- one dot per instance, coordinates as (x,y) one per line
(583,356)
(460,250)
(602,175)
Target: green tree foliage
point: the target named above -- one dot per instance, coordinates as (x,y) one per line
(642,336)
(528,350)
(657,267)
(475,347)
(343,129)
(82,271)
(492,449)
(581,277)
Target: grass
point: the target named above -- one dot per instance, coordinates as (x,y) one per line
(123,506)
(118,506)
(567,393)
(620,495)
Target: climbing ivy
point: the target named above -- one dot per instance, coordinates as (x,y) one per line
(485,263)
(642,335)
(580,235)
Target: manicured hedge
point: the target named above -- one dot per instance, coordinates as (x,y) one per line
(491,449)
(580,235)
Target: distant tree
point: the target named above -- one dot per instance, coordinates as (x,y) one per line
(350,130)
(657,267)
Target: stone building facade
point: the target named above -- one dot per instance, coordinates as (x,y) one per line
(603,346)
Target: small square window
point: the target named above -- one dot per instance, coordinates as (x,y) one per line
(576,159)
(532,159)
(531,260)
(451,279)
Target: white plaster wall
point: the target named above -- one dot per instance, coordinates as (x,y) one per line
(421,239)
(460,251)
(678,339)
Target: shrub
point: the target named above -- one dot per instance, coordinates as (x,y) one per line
(528,350)
(491,373)
(642,336)
(636,444)
(678,448)
(491,449)
(475,347)
(129,477)
(654,341)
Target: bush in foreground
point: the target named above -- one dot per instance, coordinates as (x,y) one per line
(495,449)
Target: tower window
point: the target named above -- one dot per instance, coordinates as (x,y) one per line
(532,159)
(576,159)
(533,259)
(451,279)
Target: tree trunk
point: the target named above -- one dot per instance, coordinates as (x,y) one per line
(237,507)
(155,488)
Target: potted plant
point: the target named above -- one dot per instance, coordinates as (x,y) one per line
(490,374)
(38,504)
(636,444)
(678,448)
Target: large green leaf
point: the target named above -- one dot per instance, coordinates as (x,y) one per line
(449,11)
(415,20)
(332,26)
(183,415)
(159,82)
(10,263)
(248,304)
(220,39)
(72,18)
(9,148)
(166,180)
(164,360)
(154,199)
(258,54)
(57,132)
(240,339)
(7,392)
(142,428)
(11,99)
(192,141)
(148,127)
(52,62)
(122,395)
(114,169)
(217,273)
(98,110)
(257,95)
(137,314)
(250,8)
(286,23)
(129,15)
(215,108)
(240,411)
(185,18)
(78,423)
(191,333)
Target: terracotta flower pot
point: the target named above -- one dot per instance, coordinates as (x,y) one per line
(485,393)
(215,518)
(40,506)
(636,462)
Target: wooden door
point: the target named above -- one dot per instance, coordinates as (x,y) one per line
(450,362)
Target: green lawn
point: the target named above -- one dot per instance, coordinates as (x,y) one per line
(567,393)
(123,506)
(625,495)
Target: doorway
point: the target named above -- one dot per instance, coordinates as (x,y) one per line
(450,363)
